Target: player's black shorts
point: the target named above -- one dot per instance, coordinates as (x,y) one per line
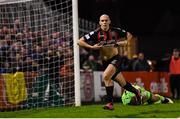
(116,61)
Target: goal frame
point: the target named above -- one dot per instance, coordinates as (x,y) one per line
(76,52)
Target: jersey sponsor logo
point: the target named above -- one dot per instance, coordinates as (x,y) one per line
(123,31)
(91,33)
(87,36)
(114,62)
(119,28)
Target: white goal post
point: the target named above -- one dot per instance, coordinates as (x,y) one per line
(76,53)
(39,55)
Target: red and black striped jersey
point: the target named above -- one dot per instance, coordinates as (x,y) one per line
(111,36)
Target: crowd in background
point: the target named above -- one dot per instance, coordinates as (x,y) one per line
(45,52)
(25,50)
(138,62)
(169,64)
(22,49)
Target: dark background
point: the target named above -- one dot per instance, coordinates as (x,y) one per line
(155,23)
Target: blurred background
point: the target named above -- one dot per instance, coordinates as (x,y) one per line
(154,22)
(36,45)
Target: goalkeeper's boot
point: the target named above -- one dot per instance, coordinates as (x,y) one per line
(109,106)
(167,100)
(139,98)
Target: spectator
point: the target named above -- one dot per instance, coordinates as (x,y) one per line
(45,43)
(30,65)
(53,67)
(125,62)
(17,27)
(6,68)
(92,64)
(131,62)
(174,70)
(67,76)
(17,63)
(5,30)
(37,54)
(83,56)
(141,64)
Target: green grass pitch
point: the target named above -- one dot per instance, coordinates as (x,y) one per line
(96,111)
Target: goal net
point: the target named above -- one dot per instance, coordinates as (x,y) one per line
(36,54)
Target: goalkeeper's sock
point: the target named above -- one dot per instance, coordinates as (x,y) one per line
(109,91)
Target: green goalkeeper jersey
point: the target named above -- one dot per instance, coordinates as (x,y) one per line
(127,95)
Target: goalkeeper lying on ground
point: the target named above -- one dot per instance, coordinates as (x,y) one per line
(129,98)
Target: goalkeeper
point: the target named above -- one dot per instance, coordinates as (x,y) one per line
(129,98)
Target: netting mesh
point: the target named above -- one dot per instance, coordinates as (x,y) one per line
(36,54)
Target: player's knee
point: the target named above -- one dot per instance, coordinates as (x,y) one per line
(106,77)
